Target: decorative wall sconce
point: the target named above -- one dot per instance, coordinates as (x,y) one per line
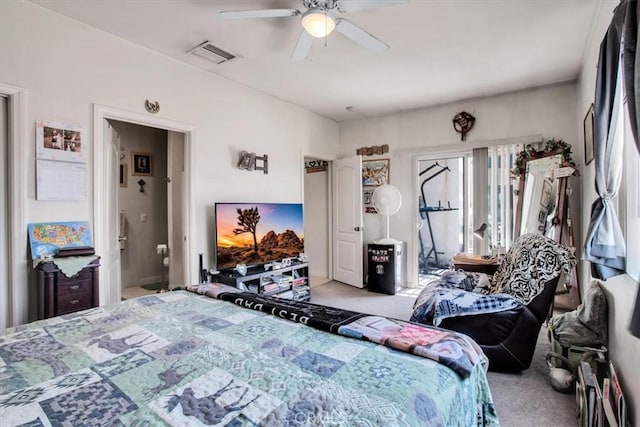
(463,122)
(141,183)
(248,160)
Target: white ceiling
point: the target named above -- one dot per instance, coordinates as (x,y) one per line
(441,50)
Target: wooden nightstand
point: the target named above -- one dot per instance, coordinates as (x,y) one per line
(475,263)
(59,294)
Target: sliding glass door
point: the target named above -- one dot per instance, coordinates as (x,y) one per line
(443,196)
(457,194)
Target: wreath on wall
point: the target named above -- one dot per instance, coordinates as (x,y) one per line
(552,146)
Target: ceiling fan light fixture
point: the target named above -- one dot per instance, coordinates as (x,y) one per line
(318,23)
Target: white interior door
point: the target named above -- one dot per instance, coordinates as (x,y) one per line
(111,265)
(347,221)
(4,216)
(175,203)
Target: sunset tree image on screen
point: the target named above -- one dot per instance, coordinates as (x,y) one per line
(257,233)
(248,220)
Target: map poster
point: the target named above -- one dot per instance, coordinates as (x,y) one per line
(46,238)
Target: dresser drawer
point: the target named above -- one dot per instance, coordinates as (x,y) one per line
(74,302)
(84,274)
(59,294)
(72,287)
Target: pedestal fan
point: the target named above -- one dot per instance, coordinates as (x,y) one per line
(387,200)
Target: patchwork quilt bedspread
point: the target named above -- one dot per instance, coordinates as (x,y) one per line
(183,359)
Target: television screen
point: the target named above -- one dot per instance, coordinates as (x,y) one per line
(257,233)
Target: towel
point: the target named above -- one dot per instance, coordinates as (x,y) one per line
(70,266)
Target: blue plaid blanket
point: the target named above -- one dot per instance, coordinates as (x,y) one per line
(452,295)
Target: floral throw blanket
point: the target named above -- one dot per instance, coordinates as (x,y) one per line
(531,262)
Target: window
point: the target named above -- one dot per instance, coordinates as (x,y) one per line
(629,201)
(499,204)
(502,201)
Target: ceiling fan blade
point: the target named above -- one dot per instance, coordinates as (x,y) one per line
(261,13)
(356,5)
(360,36)
(302,47)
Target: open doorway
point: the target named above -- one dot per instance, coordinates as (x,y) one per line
(107,225)
(443,209)
(458,193)
(143,209)
(317,214)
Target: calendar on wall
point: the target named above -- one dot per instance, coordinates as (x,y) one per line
(61,170)
(61,180)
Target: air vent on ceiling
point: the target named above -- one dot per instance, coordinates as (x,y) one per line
(213,53)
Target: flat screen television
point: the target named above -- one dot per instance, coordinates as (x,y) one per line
(257,233)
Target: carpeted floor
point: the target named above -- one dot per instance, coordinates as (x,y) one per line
(522,400)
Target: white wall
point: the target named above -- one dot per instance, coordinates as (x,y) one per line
(623,347)
(67,67)
(550,111)
(140,263)
(316,225)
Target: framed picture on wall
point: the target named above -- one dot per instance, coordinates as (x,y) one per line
(542,216)
(588,135)
(141,164)
(367,195)
(375,172)
(123,174)
(546,197)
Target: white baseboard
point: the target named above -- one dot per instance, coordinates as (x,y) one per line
(319,273)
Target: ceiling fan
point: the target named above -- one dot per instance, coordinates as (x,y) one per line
(319,20)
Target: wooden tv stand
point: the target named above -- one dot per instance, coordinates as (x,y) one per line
(291,282)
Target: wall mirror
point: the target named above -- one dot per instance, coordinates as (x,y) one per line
(539,190)
(543,204)
(539,195)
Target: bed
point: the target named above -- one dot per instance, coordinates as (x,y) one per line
(212,355)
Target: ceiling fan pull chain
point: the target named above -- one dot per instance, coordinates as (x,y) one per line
(326,28)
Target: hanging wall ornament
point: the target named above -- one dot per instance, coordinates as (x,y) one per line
(152,107)
(463,122)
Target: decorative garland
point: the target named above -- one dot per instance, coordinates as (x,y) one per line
(552,146)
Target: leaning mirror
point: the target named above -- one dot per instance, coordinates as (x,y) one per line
(538,200)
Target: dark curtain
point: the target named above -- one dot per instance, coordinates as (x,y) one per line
(631,60)
(604,246)
(634,326)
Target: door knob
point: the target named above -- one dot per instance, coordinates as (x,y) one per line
(356,228)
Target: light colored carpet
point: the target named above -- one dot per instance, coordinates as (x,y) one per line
(522,400)
(336,294)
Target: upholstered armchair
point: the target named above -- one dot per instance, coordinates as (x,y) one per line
(505,315)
